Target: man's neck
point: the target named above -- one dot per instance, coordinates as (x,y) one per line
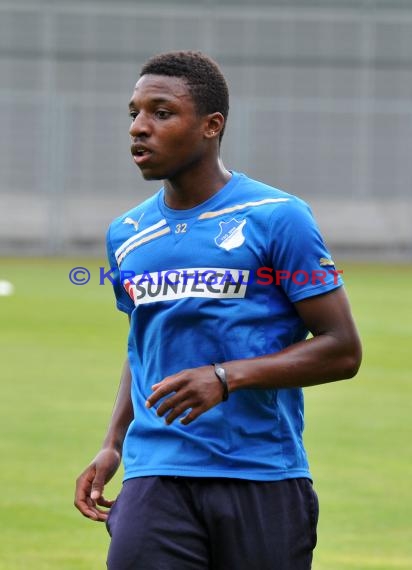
(195,186)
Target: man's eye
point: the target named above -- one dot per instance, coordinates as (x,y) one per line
(163,114)
(132,115)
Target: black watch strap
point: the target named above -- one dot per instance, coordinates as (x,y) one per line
(221,374)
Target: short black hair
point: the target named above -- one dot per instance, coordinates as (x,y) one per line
(203,76)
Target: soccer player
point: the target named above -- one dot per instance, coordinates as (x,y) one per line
(222,278)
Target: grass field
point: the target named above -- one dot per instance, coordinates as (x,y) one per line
(61,352)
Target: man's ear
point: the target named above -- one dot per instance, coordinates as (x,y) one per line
(214,124)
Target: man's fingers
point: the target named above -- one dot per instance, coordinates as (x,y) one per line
(158,395)
(188,418)
(89,490)
(185,393)
(90,510)
(176,402)
(96,493)
(89,499)
(83,486)
(96,514)
(97,486)
(163,388)
(102,502)
(178,411)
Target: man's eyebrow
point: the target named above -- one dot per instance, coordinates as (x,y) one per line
(155,100)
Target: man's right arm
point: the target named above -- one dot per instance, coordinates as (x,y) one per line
(89,497)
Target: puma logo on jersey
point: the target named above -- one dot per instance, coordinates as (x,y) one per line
(231,234)
(324,262)
(133,222)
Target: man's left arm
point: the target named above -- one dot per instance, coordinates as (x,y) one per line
(333,353)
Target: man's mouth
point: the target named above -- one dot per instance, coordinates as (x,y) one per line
(140,153)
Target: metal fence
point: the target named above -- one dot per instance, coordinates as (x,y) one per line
(321,106)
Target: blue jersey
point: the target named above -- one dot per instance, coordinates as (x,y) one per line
(215,283)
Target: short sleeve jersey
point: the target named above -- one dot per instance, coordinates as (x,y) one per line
(215,283)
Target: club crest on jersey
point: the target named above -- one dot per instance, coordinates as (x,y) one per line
(133,222)
(231,234)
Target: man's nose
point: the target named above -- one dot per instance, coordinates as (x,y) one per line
(140,126)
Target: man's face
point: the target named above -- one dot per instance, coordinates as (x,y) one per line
(166,130)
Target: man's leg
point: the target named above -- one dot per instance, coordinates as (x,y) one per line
(260,525)
(154,526)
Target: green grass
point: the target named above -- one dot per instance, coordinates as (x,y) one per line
(359,433)
(62,348)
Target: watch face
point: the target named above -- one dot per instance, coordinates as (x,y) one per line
(219,371)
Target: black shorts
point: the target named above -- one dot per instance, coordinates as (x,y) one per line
(184,523)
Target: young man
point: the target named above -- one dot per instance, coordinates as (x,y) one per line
(222,278)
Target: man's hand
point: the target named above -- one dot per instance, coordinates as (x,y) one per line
(196,389)
(90,485)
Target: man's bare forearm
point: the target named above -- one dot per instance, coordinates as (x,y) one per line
(316,361)
(334,352)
